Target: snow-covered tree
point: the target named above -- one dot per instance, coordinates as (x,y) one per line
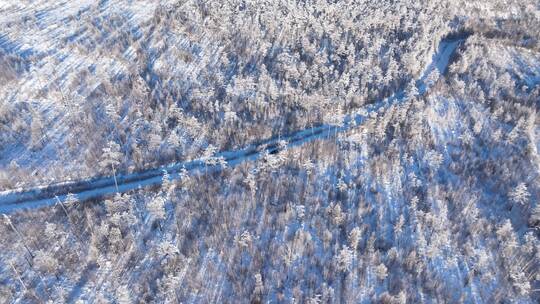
(123,295)
(46,262)
(381,271)
(520,194)
(111,159)
(344,259)
(156,208)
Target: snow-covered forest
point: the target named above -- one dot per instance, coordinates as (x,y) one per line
(270,151)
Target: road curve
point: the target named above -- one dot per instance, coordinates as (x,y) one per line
(15,200)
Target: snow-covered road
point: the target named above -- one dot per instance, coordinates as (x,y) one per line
(14,200)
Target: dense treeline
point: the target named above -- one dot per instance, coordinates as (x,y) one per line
(189,77)
(433,200)
(393,212)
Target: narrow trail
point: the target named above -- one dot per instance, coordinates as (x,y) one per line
(16,200)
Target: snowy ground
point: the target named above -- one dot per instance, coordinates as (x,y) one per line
(53,55)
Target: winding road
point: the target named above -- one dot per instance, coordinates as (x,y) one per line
(16,200)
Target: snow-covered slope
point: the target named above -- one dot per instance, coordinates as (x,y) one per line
(54,44)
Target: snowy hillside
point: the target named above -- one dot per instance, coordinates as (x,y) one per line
(270,151)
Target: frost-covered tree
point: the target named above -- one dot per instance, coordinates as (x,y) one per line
(156,208)
(381,271)
(36,132)
(354,237)
(344,259)
(7,221)
(123,295)
(535,216)
(71,200)
(167,248)
(46,262)
(111,159)
(520,194)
